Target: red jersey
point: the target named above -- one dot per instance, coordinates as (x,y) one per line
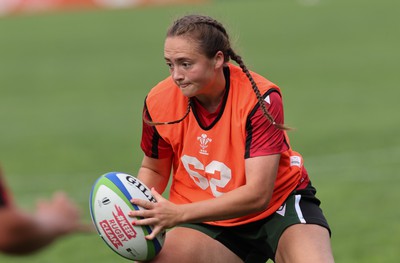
(209,156)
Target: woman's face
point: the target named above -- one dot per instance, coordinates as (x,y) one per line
(192,71)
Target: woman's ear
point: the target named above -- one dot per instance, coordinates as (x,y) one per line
(219,59)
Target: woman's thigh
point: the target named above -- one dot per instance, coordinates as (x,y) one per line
(304,243)
(189,245)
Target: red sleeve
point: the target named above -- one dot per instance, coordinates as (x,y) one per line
(3,194)
(263,138)
(152,144)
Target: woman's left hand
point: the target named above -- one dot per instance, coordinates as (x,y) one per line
(161,215)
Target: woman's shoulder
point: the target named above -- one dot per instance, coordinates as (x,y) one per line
(239,77)
(242,87)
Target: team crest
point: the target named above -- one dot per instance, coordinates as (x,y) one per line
(204,141)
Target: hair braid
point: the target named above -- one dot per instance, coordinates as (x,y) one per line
(238,59)
(212,22)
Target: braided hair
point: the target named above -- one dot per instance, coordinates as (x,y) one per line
(212,37)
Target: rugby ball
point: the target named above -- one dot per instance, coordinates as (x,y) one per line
(109,206)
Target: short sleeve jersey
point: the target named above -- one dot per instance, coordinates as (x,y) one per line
(209,149)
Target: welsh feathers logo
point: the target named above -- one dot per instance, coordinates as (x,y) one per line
(204,141)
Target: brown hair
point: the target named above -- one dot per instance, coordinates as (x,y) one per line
(212,37)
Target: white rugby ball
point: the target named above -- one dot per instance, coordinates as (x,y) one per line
(109,206)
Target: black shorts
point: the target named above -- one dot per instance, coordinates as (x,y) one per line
(257,242)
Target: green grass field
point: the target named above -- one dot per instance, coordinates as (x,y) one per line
(72,87)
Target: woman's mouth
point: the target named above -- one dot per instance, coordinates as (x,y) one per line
(183,86)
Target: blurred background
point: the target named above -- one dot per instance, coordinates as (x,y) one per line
(74,74)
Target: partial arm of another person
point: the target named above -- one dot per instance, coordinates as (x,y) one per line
(23,233)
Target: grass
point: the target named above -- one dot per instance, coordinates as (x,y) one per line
(72,87)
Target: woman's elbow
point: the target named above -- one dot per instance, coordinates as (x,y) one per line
(259,203)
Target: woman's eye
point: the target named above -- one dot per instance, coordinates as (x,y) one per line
(186,65)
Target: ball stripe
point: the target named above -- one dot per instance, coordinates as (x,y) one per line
(114,178)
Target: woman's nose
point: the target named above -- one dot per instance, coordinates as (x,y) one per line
(177,75)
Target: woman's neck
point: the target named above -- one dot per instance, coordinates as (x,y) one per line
(212,100)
